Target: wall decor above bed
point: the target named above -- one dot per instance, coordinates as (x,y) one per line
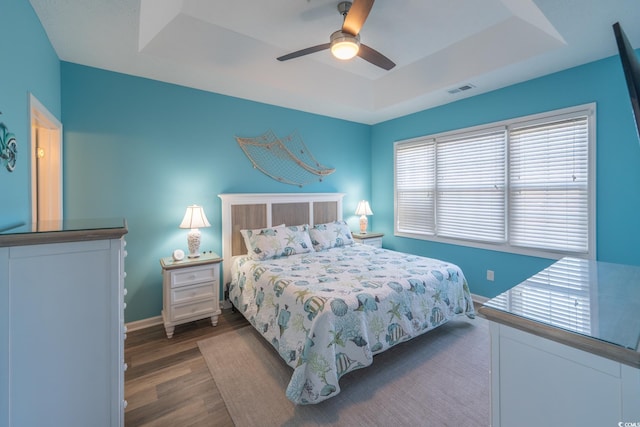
(287,160)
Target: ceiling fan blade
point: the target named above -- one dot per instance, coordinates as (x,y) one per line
(375,57)
(306,51)
(356,16)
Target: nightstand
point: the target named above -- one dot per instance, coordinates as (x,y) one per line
(190,290)
(371,239)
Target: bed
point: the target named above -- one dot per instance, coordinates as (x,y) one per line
(326,304)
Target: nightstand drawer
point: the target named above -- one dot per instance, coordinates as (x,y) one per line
(371,239)
(376,242)
(186,294)
(191,276)
(191,310)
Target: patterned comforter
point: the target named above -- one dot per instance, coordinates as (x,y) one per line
(327,313)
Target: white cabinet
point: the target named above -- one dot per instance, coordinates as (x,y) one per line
(539,382)
(191,290)
(62,327)
(564,347)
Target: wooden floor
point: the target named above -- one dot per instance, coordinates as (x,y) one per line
(168,382)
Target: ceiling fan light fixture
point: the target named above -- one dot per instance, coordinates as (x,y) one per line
(344,46)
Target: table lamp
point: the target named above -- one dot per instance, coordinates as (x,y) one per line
(363,210)
(194,219)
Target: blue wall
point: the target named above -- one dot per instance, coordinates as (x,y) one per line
(618,166)
(145,150)
(29,65)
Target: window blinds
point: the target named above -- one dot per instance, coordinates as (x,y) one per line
(549,192)
(415,186)
(519,185)
(470,183)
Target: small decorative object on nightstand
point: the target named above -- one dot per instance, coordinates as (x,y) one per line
(194,219)
(190,290)
(371,239)
(363,210)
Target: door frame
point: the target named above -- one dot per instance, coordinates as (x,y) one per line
(41,117)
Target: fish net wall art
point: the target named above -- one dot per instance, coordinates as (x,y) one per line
(287,160)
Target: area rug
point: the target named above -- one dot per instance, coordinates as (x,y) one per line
(438,379)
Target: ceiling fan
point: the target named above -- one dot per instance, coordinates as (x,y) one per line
(345,43)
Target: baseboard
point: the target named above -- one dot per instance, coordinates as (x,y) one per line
(144,323)
(479,299)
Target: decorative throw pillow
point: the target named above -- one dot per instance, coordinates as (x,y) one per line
(297,240)
(330,235)
(262,243)
(275,242)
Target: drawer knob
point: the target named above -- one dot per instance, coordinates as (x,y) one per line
(125,367)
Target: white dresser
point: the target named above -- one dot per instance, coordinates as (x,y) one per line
(564,347)
(191,290)
(62,324)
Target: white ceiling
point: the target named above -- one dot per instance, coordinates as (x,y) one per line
(230,47)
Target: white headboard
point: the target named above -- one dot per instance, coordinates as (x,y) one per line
(249,211)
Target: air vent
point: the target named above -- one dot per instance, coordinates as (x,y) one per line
(461,88)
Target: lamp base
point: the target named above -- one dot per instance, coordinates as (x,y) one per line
(363,224)
(193,241)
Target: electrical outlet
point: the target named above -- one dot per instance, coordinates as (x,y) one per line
(490,275)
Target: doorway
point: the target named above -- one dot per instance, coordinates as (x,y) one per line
(46,167)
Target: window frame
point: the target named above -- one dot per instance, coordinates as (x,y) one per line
(588,110)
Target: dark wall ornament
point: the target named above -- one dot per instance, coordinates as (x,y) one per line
(8,147)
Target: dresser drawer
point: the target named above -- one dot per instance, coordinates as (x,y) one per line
(201,308)
(192,276)
(195,292)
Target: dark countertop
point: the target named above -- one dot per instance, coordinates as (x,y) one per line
(63,231)
(586,304)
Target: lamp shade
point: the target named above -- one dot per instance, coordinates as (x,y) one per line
(194,218)
(363,208)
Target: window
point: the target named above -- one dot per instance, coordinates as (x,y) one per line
(524,185)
